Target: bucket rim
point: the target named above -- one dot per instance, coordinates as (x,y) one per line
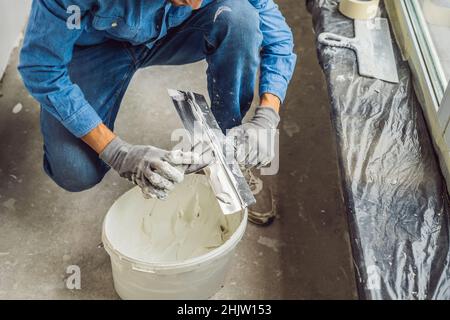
(150,267)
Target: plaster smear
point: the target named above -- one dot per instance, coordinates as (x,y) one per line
(273,244)
(221,10)
(17,108)
(186,225)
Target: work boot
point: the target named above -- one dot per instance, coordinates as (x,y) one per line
(264,210)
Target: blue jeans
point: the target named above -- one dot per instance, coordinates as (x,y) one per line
(104,72)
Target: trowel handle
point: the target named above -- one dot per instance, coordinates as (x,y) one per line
(334,40)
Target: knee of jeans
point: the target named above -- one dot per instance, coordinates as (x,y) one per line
(240,19)
(75,178)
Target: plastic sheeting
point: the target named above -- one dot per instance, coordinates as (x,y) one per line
(394,191)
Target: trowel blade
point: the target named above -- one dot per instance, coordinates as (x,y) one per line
(229,185)
(374,50)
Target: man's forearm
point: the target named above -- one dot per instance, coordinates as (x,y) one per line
(99,138)
(270,100)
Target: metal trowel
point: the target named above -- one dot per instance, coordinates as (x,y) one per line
(227,182)
(373,47)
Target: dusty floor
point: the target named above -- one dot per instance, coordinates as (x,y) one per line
(305,254)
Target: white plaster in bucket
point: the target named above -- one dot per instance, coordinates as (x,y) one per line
(179,248)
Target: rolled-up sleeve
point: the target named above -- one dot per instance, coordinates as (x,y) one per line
(277,56)
(44,58)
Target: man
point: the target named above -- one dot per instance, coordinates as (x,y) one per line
(80,73)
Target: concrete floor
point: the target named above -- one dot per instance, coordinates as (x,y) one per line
(305,254)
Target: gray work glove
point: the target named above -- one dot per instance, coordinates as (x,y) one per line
(154,170)
(254,141)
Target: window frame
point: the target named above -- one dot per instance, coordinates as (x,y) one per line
(432,90)
(427,47)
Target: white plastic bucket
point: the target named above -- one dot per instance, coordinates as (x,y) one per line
(129,236)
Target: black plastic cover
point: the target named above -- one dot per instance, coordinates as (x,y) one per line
(394,191)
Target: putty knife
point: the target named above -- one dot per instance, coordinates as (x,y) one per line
(227,182)
(373,47)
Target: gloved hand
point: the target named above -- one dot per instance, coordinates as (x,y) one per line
(254,141)
(155,170)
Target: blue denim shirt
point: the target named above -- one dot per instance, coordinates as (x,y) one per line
(48,47)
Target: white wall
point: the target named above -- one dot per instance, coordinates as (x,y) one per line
(13,16)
